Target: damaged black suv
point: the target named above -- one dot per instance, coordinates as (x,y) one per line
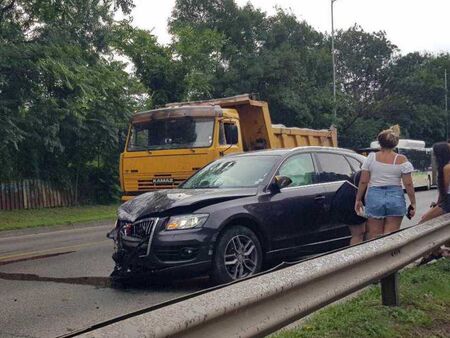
(237,214)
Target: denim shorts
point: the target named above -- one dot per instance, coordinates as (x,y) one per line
(382,202)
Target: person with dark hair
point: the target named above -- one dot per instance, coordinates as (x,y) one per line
(382,176)
(441,153)
(342,206)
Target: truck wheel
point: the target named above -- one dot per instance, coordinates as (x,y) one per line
(238,255)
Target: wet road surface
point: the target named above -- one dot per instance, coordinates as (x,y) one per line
(54,281)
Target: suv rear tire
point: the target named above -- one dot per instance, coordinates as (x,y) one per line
(238,254)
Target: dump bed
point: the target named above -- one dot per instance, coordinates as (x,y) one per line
(296,137)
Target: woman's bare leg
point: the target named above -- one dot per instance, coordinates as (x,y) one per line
(357,232)
(392,224)
(432,213)
(374,228)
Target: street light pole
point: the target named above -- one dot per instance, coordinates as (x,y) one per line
(446,104)
(333,60)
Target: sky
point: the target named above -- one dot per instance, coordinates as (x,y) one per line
(412,25)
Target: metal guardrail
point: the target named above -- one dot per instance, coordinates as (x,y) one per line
(261,305)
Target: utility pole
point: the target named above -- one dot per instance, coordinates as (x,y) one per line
(333,60)
(446,104)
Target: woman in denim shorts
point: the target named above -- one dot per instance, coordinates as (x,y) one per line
(383,173)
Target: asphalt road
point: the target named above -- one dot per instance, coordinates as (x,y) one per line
(55,281)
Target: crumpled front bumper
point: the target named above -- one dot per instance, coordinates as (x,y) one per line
(183,252)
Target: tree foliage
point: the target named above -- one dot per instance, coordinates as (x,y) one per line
(63,102)
(65,99)
(288,63)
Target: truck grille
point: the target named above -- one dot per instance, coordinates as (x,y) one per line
(157,184)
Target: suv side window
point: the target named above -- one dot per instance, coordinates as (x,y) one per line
(300,169)
(334,167)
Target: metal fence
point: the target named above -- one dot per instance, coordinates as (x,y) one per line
(261,305)
(31,194)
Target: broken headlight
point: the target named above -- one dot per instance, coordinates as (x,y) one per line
(186,221)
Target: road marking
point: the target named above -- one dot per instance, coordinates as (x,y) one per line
(52,250)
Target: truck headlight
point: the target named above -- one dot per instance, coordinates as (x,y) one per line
(186,221)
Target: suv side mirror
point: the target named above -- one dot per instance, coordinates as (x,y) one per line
(231,133)
(279,182)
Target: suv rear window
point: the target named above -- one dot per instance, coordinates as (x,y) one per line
(356,165)
(334,167)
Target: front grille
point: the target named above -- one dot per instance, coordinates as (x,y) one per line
(139,229)
(143,228)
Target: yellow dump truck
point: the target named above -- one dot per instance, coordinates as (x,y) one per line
(165,146)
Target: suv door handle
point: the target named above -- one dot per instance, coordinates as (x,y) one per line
(319,198)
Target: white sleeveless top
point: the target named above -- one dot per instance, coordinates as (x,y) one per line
(385,174)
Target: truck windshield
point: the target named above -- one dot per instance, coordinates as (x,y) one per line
(171,133)
(237,172)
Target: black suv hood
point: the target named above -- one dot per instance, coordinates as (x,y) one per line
(163,200)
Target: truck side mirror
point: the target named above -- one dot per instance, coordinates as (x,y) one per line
(122,139)
(231,133)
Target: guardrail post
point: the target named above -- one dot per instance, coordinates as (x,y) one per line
(389,290)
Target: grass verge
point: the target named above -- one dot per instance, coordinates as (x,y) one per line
(424,310)
(18,219)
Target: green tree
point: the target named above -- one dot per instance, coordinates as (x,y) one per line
(153,64)
(199,54)
(413,93)
(361,61)
(282,59)
(63,100)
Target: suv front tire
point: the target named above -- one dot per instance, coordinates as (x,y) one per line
(238,255)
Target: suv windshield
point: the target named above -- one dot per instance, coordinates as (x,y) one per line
(237,172)
(172,133)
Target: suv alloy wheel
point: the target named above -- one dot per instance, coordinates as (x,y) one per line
(238,255)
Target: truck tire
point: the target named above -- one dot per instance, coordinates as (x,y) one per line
(238,254)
